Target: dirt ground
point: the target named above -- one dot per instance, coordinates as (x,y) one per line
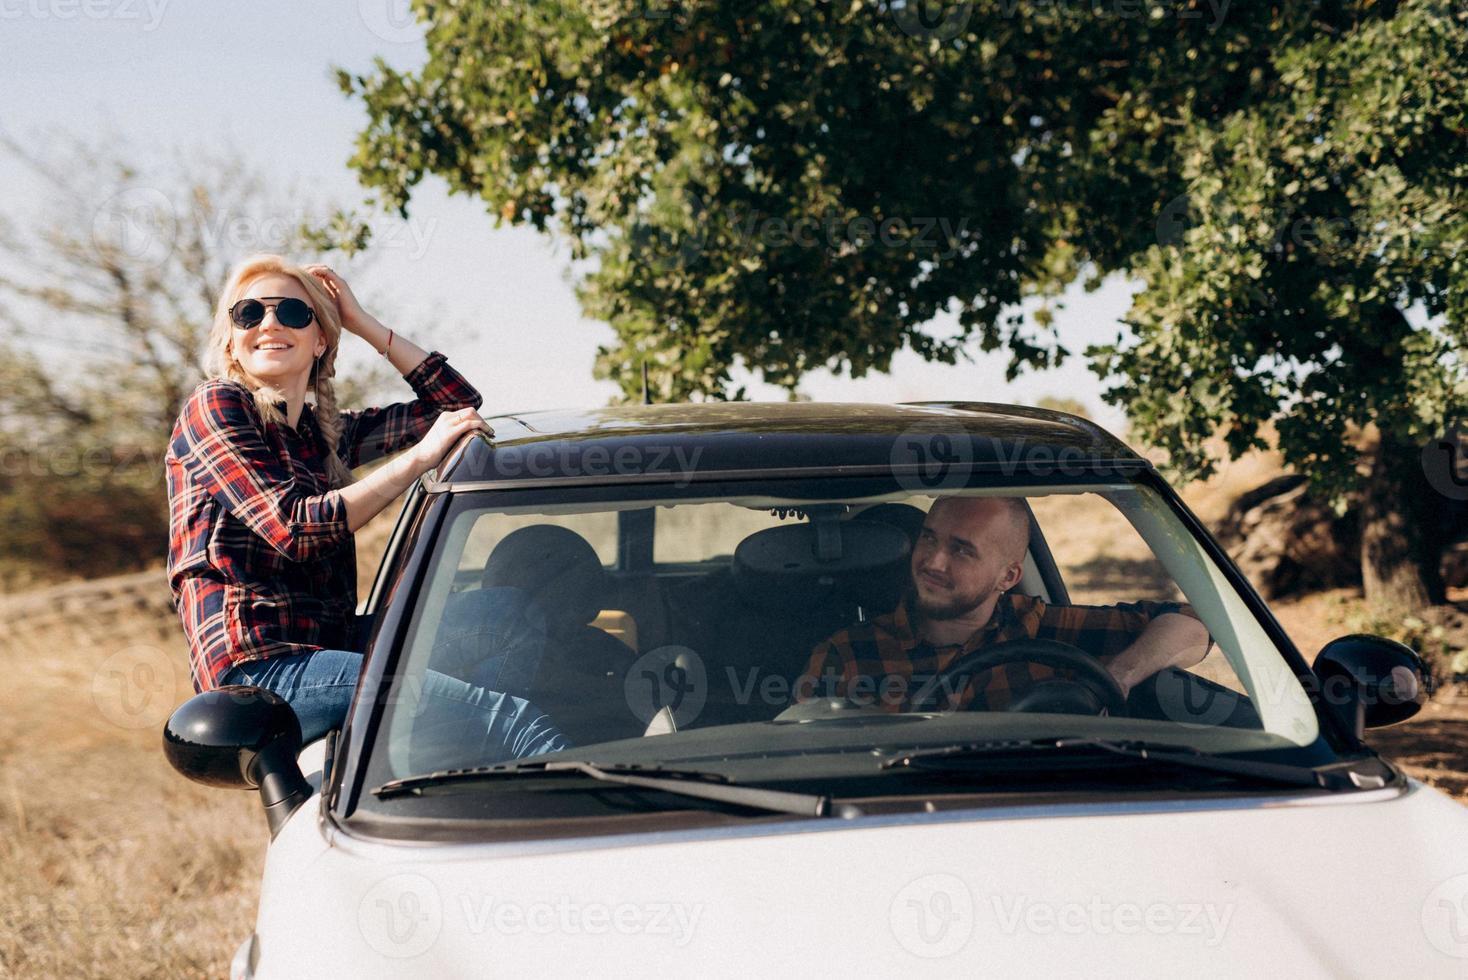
(1432,747)
(111,864)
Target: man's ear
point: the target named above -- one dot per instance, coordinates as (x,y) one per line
(1012,575)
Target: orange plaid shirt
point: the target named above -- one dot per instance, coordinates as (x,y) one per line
(884,661)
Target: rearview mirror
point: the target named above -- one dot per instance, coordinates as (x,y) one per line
(241,737)
(1371,681)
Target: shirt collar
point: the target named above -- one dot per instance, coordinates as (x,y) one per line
(1003,617)
(306,422)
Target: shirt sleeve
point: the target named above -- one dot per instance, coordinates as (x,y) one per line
(825,660)
(376,432)
(1104,630)
(221,445)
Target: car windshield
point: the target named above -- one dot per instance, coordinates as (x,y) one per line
(753,632)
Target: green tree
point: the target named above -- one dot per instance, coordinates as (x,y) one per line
(1314,274)
(796,184)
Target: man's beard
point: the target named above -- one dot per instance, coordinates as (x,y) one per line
(953,608)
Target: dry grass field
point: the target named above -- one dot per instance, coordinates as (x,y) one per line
(113,866)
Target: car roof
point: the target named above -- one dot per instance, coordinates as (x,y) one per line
(721,439)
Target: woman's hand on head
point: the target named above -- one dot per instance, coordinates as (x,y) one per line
(447,430)
(349,311)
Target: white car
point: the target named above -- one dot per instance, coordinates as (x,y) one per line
(658,580)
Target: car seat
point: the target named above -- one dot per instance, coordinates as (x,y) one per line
(789,588)
(578,680)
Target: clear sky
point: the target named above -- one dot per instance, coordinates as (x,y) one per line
(257,77)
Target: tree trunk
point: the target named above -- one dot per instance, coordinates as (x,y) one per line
(1401,556)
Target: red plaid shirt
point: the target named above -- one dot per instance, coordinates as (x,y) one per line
(883,661)
(260,558)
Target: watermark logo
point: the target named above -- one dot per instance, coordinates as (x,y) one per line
(1187,702)
(391,20)
(933,916)
(1174,221)
(671,677)
(134,687)
(932,20)
(1445,464)
(401,916)
(928,458)
(1445,917)
(138,222)
(668,249)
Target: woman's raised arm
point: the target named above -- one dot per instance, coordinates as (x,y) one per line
(372,433)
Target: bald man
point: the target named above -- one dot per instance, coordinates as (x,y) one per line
(968,555)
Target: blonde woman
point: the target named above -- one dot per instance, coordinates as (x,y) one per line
(263,506)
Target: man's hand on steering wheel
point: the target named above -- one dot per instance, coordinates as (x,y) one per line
(1092,691)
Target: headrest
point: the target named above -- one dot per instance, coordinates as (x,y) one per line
(556,566)
(909,520)
(798,564)
(905,517)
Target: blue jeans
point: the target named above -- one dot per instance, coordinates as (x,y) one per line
(460,724)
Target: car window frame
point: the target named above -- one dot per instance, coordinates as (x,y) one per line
(443,500)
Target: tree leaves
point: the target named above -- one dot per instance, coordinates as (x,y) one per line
(1304,240)
(793,184)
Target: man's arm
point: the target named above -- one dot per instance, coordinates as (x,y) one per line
(1169,640)
(1133,640)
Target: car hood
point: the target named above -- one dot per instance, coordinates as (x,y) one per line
(1361,885)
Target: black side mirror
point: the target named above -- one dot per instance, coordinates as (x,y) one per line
(1371,681)
(241,737)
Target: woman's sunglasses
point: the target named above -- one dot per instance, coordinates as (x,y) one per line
(291,312)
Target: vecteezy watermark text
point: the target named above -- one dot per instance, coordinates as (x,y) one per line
(547,460)
(944,20)
(850,234)
(78,461)
(402,916)
(1185,10)
(566,917)
(928,458)
(936,916)
(148,12)
(145,225)
(1096,916)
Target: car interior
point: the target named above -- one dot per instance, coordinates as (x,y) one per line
(548,619)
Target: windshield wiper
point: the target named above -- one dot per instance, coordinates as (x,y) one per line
(1172,755)
(680,782)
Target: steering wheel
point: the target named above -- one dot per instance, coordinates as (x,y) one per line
(1090,692)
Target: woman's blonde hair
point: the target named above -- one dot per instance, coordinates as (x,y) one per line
(220,362)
